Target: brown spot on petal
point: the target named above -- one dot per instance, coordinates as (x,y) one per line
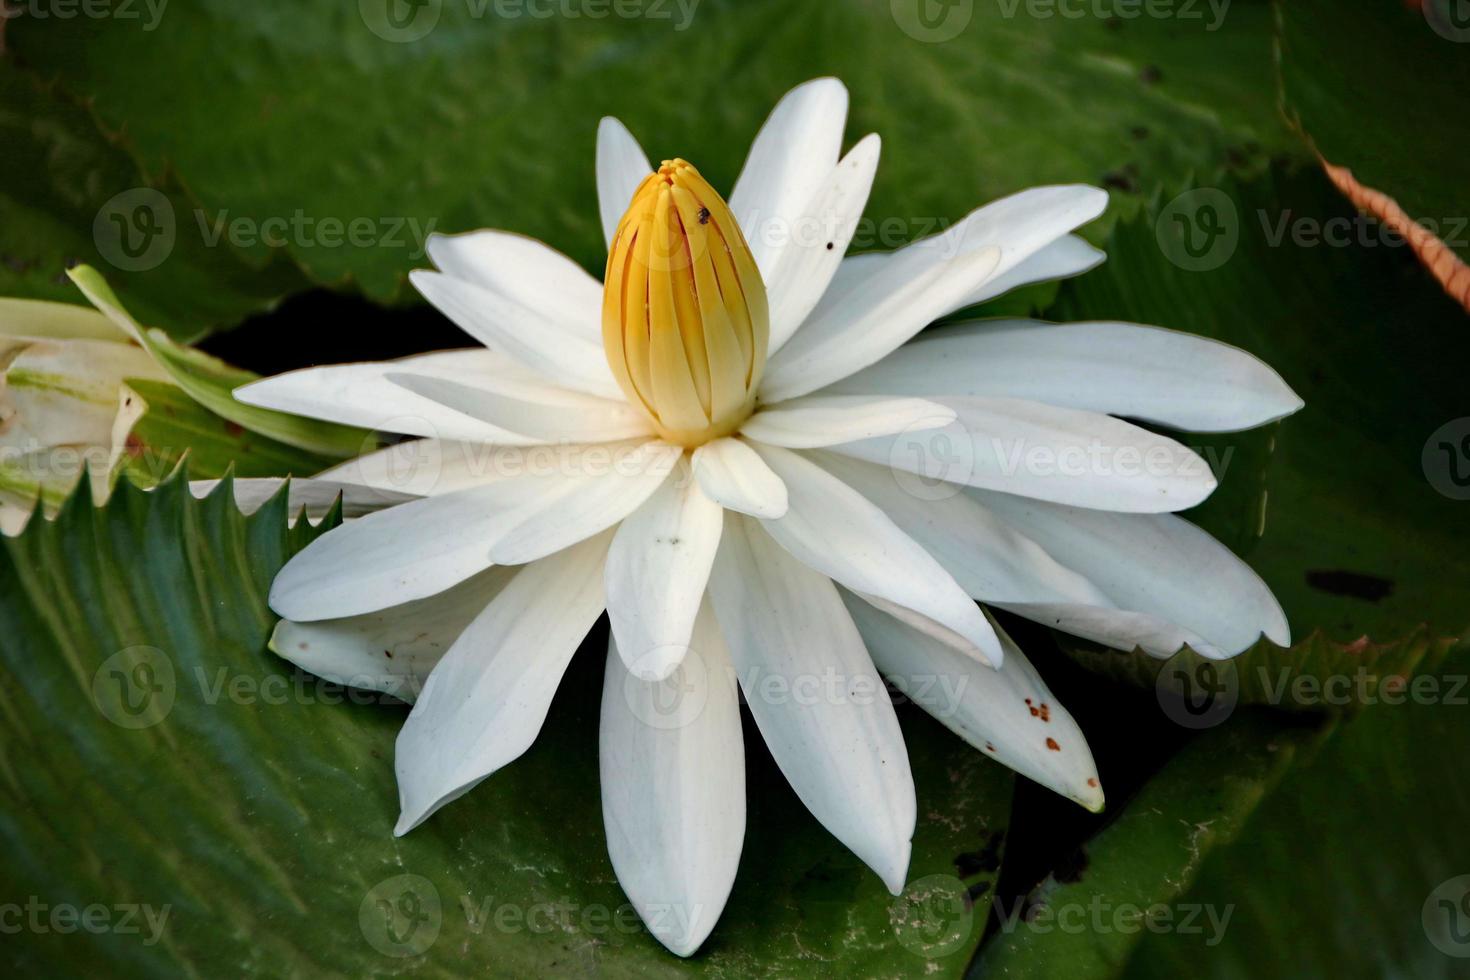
(1051,743)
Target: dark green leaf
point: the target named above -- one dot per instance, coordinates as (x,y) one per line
(489,120)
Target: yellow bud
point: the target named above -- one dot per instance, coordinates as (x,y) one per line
(684,318)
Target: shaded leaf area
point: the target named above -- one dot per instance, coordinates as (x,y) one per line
(72,194)
(1083,920)
(1350,508)
(1393,63)
(153,754)
(489,120)
(1350,868)
(1316,674)
(1272,847)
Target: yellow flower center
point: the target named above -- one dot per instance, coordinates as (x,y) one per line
(684,318)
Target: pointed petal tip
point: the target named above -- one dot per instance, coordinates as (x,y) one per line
(1092,802)
(896,875)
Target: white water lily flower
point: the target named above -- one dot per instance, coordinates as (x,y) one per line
(65,407)
(740,450)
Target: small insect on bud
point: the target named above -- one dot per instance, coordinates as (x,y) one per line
(684,318)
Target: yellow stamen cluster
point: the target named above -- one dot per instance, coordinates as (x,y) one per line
(684,318)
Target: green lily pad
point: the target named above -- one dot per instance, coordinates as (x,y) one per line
(1415,55)
(413,117)
(1355,866)
(157,759)
(72,194)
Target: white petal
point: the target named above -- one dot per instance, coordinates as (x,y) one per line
(802,269)
(392,650)
(825,420)
(859,323)
(429,467)
(525,271)
(316,497)
(361,394)
(1120,629)
(1049,453)
(991,560)
(485,702)
(421,548)
(732,475)
(835,530)
(621,167)
(874,305)
(1064,258)
(588,505)
(672,758)
(534,411)
(844,755)
(1009,714)
(1147,373)
(558,354)
(656,573)
(793,155)
(1156,564)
